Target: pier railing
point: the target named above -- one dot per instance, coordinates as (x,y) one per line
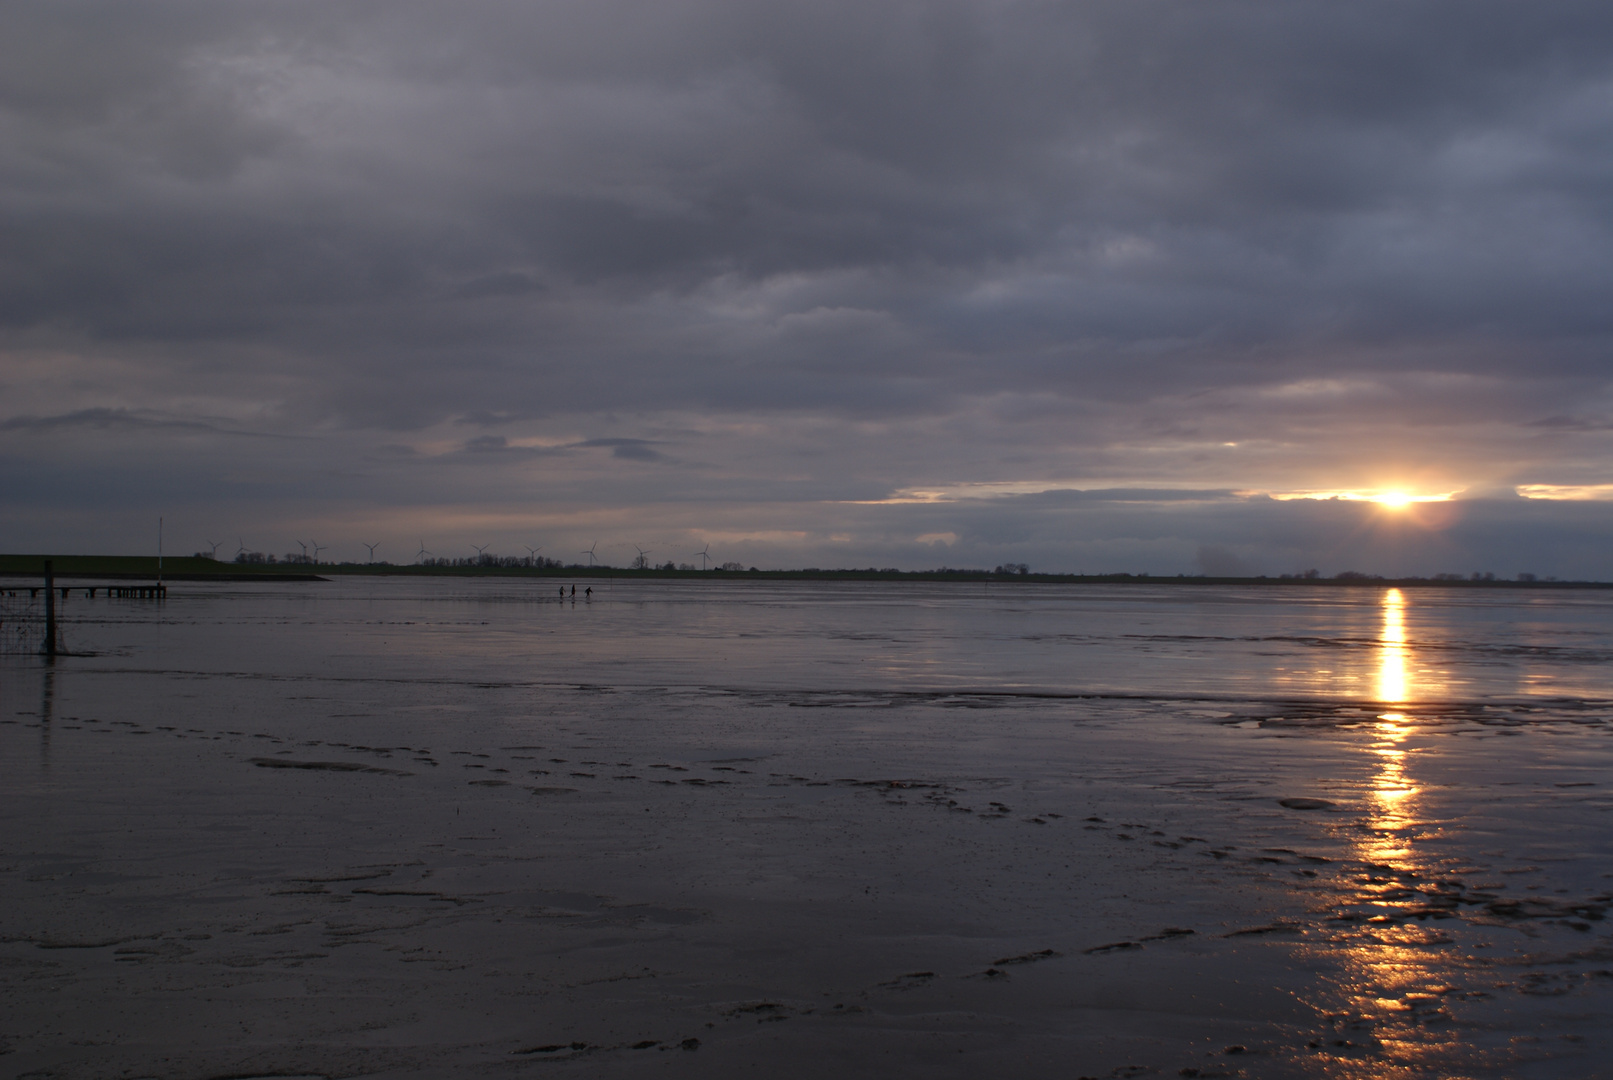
(29,623)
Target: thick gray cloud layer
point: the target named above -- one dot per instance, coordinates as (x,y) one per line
(633,266)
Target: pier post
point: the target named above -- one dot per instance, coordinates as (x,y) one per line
(50,612)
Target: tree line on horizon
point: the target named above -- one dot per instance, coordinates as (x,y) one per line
(1009,569)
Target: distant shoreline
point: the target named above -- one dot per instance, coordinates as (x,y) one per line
(190,568)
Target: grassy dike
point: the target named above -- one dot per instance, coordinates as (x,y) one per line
(144,568)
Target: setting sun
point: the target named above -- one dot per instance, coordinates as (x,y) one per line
(1393,498)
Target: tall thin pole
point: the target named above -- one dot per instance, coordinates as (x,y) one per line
(159,556)
(50,612)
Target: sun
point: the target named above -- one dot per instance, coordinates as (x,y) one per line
(1388,498)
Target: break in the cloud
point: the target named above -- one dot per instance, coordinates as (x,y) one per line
(890,283)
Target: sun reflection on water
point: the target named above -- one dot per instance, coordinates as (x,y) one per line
(1397,963)
(1392,652)
(1393,795)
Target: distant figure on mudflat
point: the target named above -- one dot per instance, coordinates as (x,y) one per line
(574,592)
(562,592)
(588,593)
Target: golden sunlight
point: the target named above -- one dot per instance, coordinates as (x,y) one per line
(1392,649)
(1392,498)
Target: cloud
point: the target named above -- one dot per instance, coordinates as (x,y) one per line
(850,250)
(503,283)
(1219,562)
(622,449)
(626,449)
(131,420)
(102,419)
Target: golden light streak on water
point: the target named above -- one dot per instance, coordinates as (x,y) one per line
(1392,794)
(1394,966)
(1392,687)
(1387,965)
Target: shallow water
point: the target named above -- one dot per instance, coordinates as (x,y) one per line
(1431,645)
(407,827)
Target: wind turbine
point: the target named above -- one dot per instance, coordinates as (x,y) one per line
(214,545)
(532,553)
(481,552)
(242,549)
(643,557)
(590,553)
(372,548)
(304,550)
(318,547)
(422,552)
(704,553)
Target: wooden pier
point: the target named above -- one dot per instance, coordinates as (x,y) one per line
(115,592)
(136,592)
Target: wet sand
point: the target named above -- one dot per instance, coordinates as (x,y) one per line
(330,870)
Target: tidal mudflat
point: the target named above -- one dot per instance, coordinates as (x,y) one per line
(437,828)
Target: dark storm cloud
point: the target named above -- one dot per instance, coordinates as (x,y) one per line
(1123,495)
(500,201)
(627,449)
(622,449)
(854,248)
(101,419)
(1573,423)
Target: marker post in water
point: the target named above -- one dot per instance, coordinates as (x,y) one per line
(50,612)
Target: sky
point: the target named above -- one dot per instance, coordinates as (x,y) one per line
(1149,286)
